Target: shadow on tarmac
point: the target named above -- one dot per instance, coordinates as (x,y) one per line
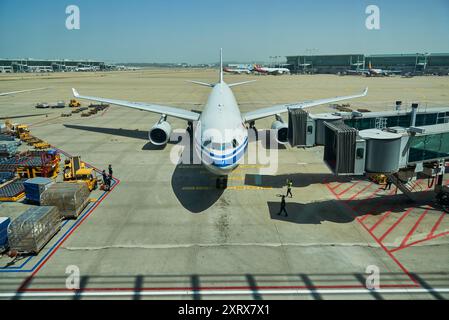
(342,211)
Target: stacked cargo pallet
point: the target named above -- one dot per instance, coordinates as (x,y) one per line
(6,137)
(6,176)
(28,233)
(32,164)
(69,198)
(35,187)
(12,191)
(8,148)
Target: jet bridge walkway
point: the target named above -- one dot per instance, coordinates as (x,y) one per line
(401,152)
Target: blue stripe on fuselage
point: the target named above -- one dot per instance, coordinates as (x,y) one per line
(243,145)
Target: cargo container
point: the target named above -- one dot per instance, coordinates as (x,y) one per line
(69,198)
(35,187)
(4,223)
(30,232)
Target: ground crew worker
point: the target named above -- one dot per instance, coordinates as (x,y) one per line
(105,177)
(110,170)
(388,184)
(109,182)
(283,207)
(289,188)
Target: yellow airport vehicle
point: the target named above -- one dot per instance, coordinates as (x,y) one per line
(378,178)
(22,132)
(42,145)
(74,103)
(76,171)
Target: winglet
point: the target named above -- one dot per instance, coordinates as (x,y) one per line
(75,93)
(366,91)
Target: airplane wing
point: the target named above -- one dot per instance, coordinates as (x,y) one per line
(166,110)
(13,92)
(270,111)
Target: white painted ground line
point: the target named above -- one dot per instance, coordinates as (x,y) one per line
(219,292)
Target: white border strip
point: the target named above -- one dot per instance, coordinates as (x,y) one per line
(219,292)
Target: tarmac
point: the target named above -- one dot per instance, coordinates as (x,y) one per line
(165,231)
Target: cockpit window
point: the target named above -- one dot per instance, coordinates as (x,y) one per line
(220,146)
(206,143)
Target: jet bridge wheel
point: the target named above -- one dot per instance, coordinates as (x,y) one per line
(190,128)
(222,182)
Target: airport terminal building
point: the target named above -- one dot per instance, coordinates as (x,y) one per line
(416,63)
(40,65)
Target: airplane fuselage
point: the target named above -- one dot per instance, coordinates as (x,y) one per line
(223,137)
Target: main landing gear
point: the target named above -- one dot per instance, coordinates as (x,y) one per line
(252,125)
(222,182)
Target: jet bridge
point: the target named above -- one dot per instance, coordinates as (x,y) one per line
(307,129)
(401,143)
(401,153)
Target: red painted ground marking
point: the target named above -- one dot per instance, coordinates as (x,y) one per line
(405,214)
(379,204)
(352,198)
(407,237)
(350,187)
(336,186)
(367,198)
(380,220)
(398,263)
(436,225)
(422,240)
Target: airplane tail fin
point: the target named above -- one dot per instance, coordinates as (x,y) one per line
(221,65)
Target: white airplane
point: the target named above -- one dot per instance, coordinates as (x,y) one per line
(374,72)
(220,152)
(237,70)
(14,92)
(274,71)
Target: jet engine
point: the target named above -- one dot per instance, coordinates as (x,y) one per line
(160,133)
(281,131)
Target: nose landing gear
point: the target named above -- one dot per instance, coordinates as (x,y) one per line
(222,182)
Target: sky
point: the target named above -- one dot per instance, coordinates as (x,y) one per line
(192,31)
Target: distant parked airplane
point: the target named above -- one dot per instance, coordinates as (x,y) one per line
(221,138)
(273,71)
(374,72)
(237,70)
